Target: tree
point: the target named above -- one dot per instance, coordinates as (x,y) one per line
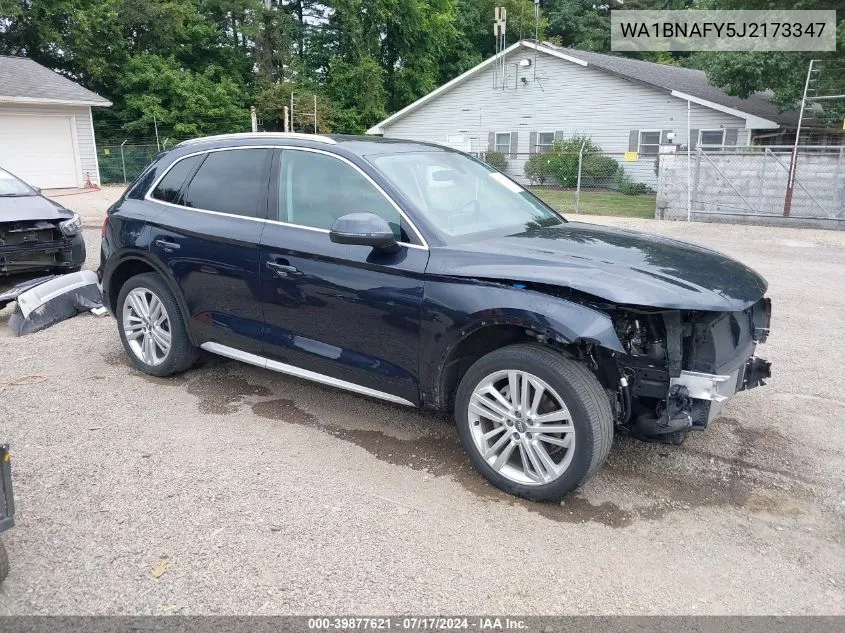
(182,103)
(782,73)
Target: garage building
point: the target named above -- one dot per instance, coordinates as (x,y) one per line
(46,130)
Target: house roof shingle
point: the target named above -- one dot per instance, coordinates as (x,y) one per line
(25,81)
(686,80)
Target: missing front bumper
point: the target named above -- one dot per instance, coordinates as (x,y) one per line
(708,393)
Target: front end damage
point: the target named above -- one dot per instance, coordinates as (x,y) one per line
(681,367)
(27,246)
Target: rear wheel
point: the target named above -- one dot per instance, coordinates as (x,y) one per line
(151,327)
(535,423)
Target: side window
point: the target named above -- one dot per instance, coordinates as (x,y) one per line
(230,181)
(167,190)
(316,189)
(649,142)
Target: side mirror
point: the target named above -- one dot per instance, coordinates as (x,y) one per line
(364,229)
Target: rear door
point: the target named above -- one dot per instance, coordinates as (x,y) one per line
(213,212)
(347,312)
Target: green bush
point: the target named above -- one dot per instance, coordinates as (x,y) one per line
(537,169)
(629,186)
(598,168)
(563,160)
(496,160)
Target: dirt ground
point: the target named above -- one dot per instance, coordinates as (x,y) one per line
(236,490)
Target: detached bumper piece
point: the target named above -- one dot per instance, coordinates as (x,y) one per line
(55,300)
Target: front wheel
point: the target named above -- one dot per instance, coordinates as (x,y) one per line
(535,423)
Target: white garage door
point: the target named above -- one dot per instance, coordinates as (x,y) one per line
(39,149)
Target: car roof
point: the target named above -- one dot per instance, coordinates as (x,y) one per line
(336,143)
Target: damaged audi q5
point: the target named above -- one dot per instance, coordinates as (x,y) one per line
(36,234)
(419,275)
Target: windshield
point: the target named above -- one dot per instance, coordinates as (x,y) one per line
(461,196)
(11,186)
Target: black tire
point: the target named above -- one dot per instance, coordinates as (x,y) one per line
(182,354)
(4,563)
(586,399)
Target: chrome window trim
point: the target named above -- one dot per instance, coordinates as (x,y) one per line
(293,370)
(149,194)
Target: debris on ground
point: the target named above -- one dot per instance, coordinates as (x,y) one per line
(53,300)
(159,568)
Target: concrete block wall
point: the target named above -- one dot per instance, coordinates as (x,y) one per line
(753,184)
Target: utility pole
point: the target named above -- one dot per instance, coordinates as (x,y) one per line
(253,118)
(286,123)
(155,125)
(790,181)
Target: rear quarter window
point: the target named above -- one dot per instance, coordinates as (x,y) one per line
(168,188)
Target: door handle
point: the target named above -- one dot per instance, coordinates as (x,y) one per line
(168,246)
(281,267)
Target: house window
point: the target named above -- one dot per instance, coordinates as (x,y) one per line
(649,142)
(545,142)
(711,138)
(503,142)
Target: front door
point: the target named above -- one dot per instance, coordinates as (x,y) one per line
(208,233)
(350,313)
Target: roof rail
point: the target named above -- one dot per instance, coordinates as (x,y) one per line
(280,135)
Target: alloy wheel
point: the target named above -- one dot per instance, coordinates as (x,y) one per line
(521,427)
(146,325)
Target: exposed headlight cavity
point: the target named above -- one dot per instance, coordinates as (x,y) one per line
(72,226)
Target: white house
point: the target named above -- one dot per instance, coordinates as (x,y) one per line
(540,92)
(46,130)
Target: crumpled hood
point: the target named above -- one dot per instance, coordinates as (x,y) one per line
(27,208)
(619,265)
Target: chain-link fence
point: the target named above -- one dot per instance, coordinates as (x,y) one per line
(728,184)
(752,184)
(597,183)
(122,163)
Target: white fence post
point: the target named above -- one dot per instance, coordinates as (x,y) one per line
(123,160)
(578,185)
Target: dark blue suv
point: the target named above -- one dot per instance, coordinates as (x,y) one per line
(417,274)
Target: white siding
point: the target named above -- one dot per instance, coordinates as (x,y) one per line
(86,146)
(567,97)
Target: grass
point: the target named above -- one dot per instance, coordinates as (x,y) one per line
(597,202)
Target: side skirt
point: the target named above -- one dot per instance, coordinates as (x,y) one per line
(282,368)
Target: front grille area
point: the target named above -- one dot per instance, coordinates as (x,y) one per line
(32,245)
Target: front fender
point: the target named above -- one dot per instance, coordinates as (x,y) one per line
(452,310)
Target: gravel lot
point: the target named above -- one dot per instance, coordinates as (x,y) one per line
(235,490)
